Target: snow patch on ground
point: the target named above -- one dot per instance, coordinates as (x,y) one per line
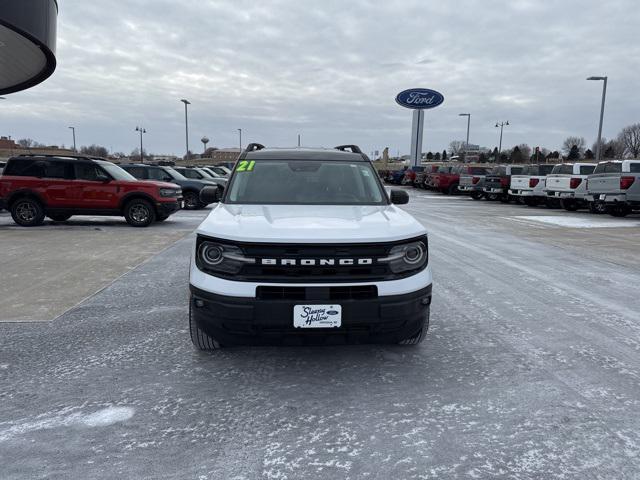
(578,222)
(68,418)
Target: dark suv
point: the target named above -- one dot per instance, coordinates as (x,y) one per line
(190,187)
(35,186)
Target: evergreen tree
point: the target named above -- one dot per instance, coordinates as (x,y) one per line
(430,156)
(574,153)
(516,155)
(588,155)
(436,157)
(444,155)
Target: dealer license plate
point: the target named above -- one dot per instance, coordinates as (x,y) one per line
(317,316)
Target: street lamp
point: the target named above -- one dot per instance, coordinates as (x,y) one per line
(299,140)
(604,96)
(240,132)
(186,123)
(141,130)
(501,125)
(73,129)
(468,115)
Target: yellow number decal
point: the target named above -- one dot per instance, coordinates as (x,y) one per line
(246,166)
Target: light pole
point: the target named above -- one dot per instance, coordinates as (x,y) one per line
(298,140)
(141,130)
(604,96)
(186,123)
(468,115)
(73,129)
(240,132)
(501,125)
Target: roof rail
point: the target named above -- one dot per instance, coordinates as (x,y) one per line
(351,148)
(253,147)
(60,155)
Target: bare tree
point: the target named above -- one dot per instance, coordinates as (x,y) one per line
(95,151)
(26,142)
(629,138)
(569,142)
(456,147)
(525,150)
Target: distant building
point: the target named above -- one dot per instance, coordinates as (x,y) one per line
(9,148)
(213,156)
(7,144)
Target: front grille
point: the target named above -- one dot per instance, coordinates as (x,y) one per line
(363,292)
(316,273)
(289,263)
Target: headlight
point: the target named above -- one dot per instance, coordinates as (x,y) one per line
(216,257)
(407,257)
(169,192)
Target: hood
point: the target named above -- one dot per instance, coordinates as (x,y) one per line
(153,183)
(310,224)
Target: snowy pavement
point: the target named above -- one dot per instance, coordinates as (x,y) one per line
(531,370)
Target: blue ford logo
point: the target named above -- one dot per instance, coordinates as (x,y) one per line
(420,98)
(332,312)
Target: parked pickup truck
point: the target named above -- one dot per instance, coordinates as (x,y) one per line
(616,184)
(471,181)
(497,182)
(421,177)
(568,183)
(431,181)
(528,187)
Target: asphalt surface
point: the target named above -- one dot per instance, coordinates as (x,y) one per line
(51,268)
(531,370)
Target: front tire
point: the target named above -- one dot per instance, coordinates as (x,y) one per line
(453,189)
(139,213)
(27,212)
(418,338)
(192,201)
(201,340)
(477,195)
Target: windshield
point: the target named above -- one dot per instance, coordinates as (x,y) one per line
(116,172)
(301,182)
(174,173)
(207,173)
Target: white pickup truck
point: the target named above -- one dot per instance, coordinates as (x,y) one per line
(567,182)
(529,186)
(616,185)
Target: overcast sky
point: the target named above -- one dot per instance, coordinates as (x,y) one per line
(330,71)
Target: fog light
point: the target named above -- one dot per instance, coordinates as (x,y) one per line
(199,303)
(426,301)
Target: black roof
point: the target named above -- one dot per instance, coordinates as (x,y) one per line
(325,154)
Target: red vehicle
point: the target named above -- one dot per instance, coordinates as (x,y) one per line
(447,179)
(35,186)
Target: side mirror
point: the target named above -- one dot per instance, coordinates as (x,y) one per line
(399,197)
(211,194)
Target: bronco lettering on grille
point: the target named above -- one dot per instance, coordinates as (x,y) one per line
(311,262)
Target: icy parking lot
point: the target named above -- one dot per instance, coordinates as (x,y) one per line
(531,369)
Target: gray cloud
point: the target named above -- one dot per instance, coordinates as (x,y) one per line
(330,71)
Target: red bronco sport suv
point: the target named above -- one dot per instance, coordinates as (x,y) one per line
(35,186)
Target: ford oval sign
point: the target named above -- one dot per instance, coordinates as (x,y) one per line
(420,98)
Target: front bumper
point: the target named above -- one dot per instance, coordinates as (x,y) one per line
(168,208)
(492,190)
(470,188)
(238,320)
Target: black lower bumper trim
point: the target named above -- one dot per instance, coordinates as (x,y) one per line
(247,321)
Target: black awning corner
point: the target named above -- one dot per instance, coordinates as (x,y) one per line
(28,31)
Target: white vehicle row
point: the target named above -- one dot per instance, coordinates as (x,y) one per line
(612,186)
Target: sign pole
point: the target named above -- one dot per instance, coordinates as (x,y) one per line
(417,131)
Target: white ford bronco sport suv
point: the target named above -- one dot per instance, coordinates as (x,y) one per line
(306,247)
